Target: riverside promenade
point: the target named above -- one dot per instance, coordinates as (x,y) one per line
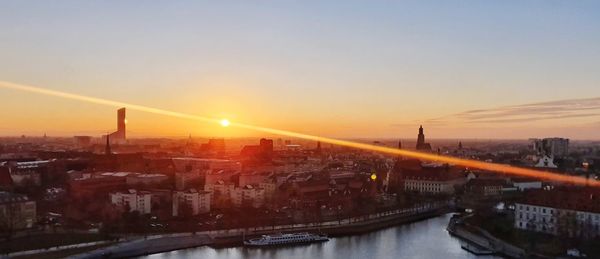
(482,239)
(231,237)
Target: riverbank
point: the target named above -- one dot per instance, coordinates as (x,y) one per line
(51,242)
(425,238)
(482,239)
(234,237)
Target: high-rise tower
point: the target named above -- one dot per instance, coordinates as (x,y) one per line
(119,136)
(121,123)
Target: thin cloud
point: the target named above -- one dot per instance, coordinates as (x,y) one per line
(560,109)
(523,113)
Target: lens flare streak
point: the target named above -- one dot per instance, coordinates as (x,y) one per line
(501,168)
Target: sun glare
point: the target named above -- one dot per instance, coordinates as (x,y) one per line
(224,122)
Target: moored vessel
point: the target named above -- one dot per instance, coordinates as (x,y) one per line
(286,239)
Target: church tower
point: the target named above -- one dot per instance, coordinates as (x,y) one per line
(421,145)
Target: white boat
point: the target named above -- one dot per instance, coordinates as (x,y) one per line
(286,239)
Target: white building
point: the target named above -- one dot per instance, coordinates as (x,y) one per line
(526,184)
(134,200)
(546,162)
(220,188)
(433,182)
(248,195)
(183,179)
(198,202)
(16,211)
(559,213)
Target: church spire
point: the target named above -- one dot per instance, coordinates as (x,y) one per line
(107,150)
(400,147)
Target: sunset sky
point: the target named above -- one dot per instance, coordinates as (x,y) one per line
(467,69)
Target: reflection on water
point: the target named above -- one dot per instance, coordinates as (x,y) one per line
(423,239)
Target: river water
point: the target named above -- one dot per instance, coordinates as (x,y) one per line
(423,239)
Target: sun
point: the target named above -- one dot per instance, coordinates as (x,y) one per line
(224,122)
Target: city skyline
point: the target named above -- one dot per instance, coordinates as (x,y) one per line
(346,71)
(315,129)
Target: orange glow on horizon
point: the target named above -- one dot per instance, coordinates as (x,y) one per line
(502,168)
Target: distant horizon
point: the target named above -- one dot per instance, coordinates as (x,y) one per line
(485,70)
(410,139)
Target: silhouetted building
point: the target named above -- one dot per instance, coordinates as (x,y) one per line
(6,182)
(421,144)
(318,150)
(214,145)
(400,157)
(107,150)
(119,136)
(83,141)
(266,145)
(261,152)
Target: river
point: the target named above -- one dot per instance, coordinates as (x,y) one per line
(422,239)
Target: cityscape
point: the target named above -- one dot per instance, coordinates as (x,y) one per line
(410,129)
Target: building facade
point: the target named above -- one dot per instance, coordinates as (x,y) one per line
(440,180)
(134,200)
(248,196)
(560,212)
(16,212)
(197,201)
(553,147)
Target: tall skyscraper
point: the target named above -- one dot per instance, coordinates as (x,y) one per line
(119,136)
(121,122)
